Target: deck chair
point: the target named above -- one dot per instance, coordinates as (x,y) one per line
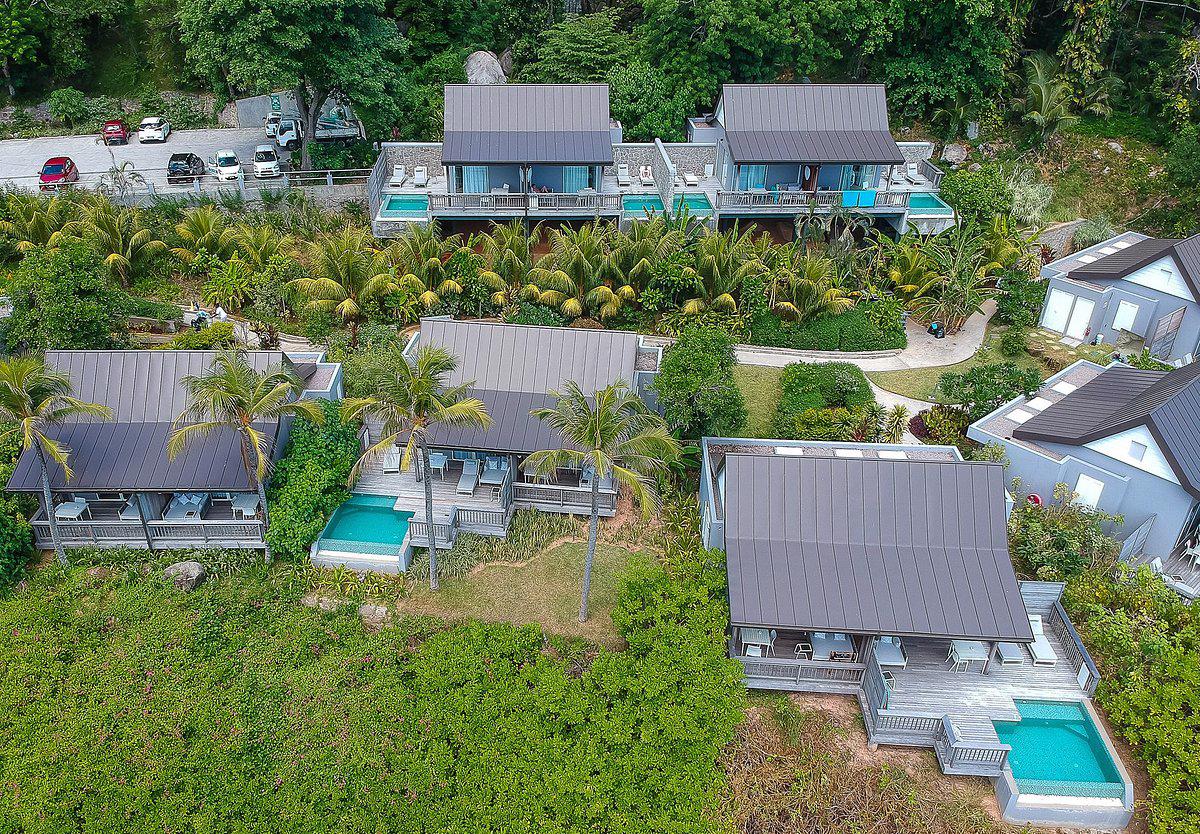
(399,175)
(1174,581)
(709,170)
(469,478)
(1040,649)
(420,176)
(1010,654)
(624,178)
(691,178)
(646,175)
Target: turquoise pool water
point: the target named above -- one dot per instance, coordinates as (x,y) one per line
(368,519)
(641,204)
(405,205)
(696,203)
(1057,750)
(923,202)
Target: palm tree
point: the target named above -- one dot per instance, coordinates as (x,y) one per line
(1047,103)
(34,221)
(636,253)
(902,267)
(802,287)
(258,244)
(203,228)
(347,273)
(964,272)
(720,263)
(613,434)
(420,259)
(508,251)
(34,398)
(579,275)
(118,236)
(410,399)
(232,396)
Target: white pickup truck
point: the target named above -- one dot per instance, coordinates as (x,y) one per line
(330,128)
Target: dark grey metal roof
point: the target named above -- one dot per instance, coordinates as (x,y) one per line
(513,367)
(559,124)
(1123,262)
(822,123)
(129,453)
(906,548)
(1167,403)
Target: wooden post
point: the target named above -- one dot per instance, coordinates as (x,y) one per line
(137,498)
(991,651)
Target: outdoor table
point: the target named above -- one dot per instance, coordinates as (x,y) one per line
(72,510)
(966,651)
(824,644)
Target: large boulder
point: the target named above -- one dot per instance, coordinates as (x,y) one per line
(954,154)
(186,576)
(484,67)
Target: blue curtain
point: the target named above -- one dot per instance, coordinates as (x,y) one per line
(475,179)
(575,178)
(751,177)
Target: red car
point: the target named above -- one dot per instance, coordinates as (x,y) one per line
(114,132)
(57,172)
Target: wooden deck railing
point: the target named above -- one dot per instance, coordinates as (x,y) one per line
(1077,654)
(248,533)
(563,496)
(802,200)
(785,670)
(547,202)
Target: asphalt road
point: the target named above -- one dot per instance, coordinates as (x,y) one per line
(22,159)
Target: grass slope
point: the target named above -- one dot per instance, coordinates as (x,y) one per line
(760,387)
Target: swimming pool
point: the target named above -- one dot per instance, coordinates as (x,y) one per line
(638,205)
(366,523)
(696,203)
(405,205)
(922,202)
(1057,751)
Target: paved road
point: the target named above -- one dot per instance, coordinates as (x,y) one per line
(21,159)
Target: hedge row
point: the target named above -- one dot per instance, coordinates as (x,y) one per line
(853,330)
(816,399)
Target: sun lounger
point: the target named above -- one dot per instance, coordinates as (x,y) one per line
(391,460)
(623,176)
(399,175)
(1009,653)
(1040,649)
(890,652)
(469,479)
(420,176)
(646,175)
(130,511)
(691,179)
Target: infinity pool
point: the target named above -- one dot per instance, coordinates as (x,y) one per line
(922,202)
(1057,750)
(639,205)
(405,205)
(367,519)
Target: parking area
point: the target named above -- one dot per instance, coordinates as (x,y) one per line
(22,159)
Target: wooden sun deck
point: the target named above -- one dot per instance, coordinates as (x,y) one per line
(104,527)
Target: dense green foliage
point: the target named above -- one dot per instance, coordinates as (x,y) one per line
(984,388)
(218,334)
(63,299)
(854,330)
(1059,539)
(695,385)
(1019,299)
(310,482)
(16,536)
(821,401)
(977,196)
(235,708)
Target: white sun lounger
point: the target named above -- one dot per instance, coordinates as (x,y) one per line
(420,176)
(646,175)
(1040,649)
(1010,653)
(469,479)
(623,176)
(398,176)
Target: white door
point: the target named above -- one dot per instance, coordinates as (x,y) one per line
(1058,310)
(1081,316)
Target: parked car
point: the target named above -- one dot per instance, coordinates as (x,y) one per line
(184,167)
(266,162)
(114,132)
(271,125)
(57,172)
(227,166)
(154,129)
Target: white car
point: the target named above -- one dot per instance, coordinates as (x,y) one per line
(266,162)
(227,166)
(154,129)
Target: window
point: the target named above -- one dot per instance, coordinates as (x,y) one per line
(751,177)
(1126,316)
(1087,491)
(475,179)
(1137,450)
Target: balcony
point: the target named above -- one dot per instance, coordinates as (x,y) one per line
(518,204)
(761,201)
(106,528)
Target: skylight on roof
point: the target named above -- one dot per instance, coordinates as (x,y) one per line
(1019,415)
(1123,244)
(892,454)
(1063,387)
(789,450)
(1038,403)
(1108,250)
(1087,259)
(848,453)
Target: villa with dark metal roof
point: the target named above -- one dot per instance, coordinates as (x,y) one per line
(478,474)
(125,491)
(1123,440)
(1131,291)
(882,571)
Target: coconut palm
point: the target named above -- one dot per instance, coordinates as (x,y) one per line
(347,272)
(802,287)
(1047,104)
(964,272)
(35,221)
(636,253)
(203,228)
(720,262)
(508,251)
(902,267)
(258,244)
(612,434)
(231,396)
(412,398)
(421,258)
(578,276)
(33,399)
(118,236)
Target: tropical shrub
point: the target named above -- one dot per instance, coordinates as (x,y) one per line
(1183,161)
(695,385)
(977,196)
(1146,361)
(63,299)
(869,326)
(839,387)
(218,334)
(1019,298)
(942,425)
(1093,230)
(530,312)
(148,308)
(1060,539)
(1014,341)
(984,388)
(16,536)
(310,482)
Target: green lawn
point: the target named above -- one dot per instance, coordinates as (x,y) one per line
(760,387)
(919,383)
(543,590)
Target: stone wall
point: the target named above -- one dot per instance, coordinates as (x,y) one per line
(691,158)
(413,154)
(633,154)
(916,151)
(1060,237)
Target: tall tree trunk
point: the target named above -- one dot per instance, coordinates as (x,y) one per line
(310,113)
(49,499)
(428,476)
(593,530)
(257,485)
(8,78)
